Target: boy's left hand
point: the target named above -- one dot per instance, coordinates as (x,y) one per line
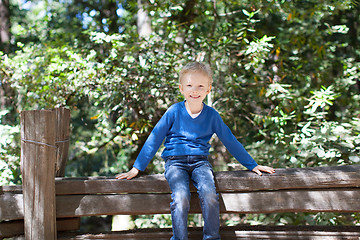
(259,169)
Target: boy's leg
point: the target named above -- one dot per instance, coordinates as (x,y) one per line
(203,179)
(178,178)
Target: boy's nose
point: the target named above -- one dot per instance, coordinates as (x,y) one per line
(196,89)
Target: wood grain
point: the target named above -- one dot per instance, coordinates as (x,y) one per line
(229,181)
(11,228)
(233,233)
(62,140)
(38,155)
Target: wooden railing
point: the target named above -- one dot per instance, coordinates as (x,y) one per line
(322,189)
(325,189)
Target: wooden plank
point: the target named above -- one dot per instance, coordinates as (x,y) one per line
(13,228)
(38,154)
(11,189)
(230,181)
(341,200)
(62,139)
(89,205)
(290,178)
(233,233)
(251,202)
(11,206)
(92,185)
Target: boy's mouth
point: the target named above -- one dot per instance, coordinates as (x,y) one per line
(195,97)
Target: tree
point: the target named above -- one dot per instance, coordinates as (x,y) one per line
(4,26)
(143,20)
(4,47)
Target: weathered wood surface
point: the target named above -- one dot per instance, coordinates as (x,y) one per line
(62,140)
(252,202)
(341,200)
(12,228)
(229,181)
(13,189)
(38,154)
(232,233)
(330,189)
(11,206)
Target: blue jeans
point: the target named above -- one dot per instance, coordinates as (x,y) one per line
(179,170)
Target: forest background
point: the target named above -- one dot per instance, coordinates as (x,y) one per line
(286,81)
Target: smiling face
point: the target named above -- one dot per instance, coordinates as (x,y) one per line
(195,86)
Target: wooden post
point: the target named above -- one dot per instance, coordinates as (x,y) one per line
(62,139)
(38,156)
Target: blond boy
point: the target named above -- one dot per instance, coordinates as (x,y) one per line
(187,128)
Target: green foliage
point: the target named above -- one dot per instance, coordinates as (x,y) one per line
(9,152)
(293,219)
(164,221)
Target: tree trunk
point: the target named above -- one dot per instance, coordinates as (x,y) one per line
(7,97)
(6,93)
(113,17)
(143,21)
(108,12)
(4,26)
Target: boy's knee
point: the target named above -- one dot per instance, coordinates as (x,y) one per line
(209,196)
(181,200)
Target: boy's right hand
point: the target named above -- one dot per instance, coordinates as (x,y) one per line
(129,175)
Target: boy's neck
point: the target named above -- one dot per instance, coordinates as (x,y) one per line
(194,108)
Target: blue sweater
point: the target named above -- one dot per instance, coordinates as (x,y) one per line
(185,135)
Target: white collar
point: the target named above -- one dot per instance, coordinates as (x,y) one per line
(193,115)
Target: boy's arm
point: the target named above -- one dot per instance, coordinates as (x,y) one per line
(237,149)
(153,142)
(233,145)
(150,147)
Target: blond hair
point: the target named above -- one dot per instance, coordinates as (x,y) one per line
(196,67)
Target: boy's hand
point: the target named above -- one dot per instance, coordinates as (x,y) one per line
(129,175)
(259,169)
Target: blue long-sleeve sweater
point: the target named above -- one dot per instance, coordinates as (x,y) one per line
(185,135)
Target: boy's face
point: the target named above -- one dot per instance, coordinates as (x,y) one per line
(195,86)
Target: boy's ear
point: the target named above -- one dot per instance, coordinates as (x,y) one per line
(180,87)
(209,89)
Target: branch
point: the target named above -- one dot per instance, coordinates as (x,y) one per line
(228,14)
(213,28)
(94,150)
(3,70)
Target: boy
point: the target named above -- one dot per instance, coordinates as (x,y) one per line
(187,128)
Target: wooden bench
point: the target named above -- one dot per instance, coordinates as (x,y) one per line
(323,189)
